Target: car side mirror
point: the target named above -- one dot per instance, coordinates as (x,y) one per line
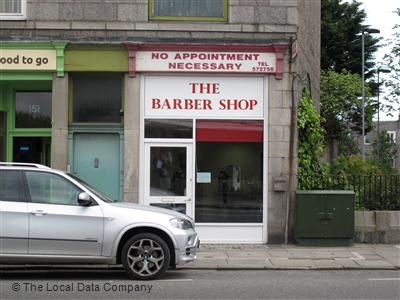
(84,199)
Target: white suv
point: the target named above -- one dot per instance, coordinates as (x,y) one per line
(48,216)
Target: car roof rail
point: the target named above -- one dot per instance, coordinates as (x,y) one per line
(17,164)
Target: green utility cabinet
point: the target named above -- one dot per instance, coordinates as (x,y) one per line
(324,218)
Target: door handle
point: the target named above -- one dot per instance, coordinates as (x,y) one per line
(96,163)
(38,213)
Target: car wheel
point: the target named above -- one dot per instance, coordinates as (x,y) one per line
(145,256)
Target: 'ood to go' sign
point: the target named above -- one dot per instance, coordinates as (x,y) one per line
(204,97)
(13,59)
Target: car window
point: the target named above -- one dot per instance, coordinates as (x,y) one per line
(10,187)
(51,189)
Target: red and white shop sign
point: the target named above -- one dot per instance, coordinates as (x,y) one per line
(231,62)
(203,97)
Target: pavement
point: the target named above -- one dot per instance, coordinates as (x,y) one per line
(293,257)
(275,257)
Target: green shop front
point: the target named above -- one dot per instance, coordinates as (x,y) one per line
(95,115)
(27,71)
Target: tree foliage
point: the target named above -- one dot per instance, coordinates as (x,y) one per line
(387,152)
(341,104)
(311,141)
(392,61)
(341,25)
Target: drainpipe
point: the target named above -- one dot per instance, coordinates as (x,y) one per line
(291,145)
(289,196)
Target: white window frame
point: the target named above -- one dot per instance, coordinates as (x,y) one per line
(15,16)
(391,133)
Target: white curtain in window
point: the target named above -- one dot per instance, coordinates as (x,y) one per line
(10,6)
(189,8)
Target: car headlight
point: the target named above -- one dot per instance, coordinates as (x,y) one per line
(181,223)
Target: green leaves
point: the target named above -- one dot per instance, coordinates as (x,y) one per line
(341,104)
(392,62)
(311,141)
(341,25)
(387,153)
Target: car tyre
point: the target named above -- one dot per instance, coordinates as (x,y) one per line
(145,256)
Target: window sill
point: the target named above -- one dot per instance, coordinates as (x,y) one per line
(12,17)
(188,19)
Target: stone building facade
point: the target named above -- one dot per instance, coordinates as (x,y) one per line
(105,97)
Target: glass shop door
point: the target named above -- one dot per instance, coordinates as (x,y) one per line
(168,181)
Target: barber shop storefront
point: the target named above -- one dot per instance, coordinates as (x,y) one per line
(204,138)
(183,127)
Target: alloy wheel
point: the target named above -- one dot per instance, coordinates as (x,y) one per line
(145,257)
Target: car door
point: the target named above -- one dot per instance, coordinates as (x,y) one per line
(58,225)
(13,214)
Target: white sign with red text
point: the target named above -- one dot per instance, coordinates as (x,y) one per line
(228,62)
(203,97)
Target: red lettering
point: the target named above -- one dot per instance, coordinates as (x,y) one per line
(222,104)
(243,104)
(253,103)
(166,105)
(157,55)
(236,104)
(193,86)
(155,103)
(238,66)
(178,56)
(177,104)
(197,104)
(204,88)
(215,88)
(181,104)
(207,104)
(188,104)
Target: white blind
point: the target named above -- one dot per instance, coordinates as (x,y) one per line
(10,6)
(189,8)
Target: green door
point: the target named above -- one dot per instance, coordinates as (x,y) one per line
(96,160)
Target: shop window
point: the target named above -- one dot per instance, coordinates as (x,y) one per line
(32,150)
(13,9)
(185,10)
(97,98)
(168,129)
(33,109)
(229,183)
